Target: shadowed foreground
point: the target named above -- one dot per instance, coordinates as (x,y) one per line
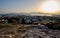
(28,31)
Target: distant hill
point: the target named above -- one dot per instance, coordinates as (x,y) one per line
(29,14)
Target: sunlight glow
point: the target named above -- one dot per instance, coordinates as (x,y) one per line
(49,7)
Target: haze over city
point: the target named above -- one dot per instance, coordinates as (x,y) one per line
(29,18)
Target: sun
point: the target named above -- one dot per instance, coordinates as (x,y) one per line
(49,7)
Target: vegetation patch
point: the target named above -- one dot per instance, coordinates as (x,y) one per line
(5,25)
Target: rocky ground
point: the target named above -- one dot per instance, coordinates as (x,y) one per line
(28,31)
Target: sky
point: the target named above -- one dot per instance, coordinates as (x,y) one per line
(17,6)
